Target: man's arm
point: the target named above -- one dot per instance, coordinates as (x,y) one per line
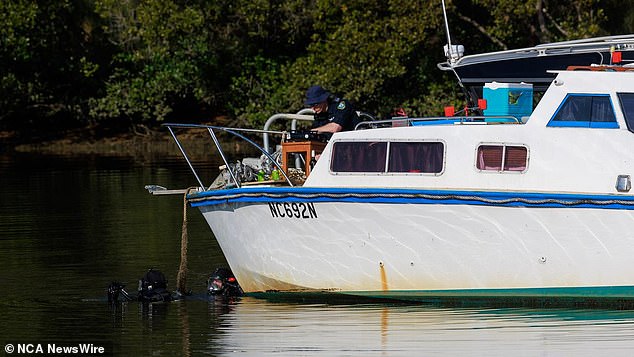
(328,128)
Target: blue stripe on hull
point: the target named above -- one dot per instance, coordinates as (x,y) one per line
(396,196)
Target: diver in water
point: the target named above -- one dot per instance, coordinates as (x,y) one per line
(223,283)
(116,290)
(152,288)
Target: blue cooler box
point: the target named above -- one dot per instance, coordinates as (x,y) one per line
(509,99)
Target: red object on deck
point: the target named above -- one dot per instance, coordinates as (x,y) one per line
(450,111)
(617,57)
(482,104)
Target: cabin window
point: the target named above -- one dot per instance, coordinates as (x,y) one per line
(359,156)
(372,157)
(416,157)
(585,111)
(627,105)
(502,158)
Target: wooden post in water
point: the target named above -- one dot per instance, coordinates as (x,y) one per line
(181,277)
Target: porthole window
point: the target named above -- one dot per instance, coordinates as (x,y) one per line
(502,158)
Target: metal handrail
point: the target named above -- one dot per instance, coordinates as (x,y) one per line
(180,147)
(232,131)
(304,114)
(300,115)
(222,155)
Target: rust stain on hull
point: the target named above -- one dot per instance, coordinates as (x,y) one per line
(384,286)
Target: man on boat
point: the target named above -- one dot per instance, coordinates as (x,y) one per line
(332,114)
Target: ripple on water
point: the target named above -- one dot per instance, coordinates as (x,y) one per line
(67,229)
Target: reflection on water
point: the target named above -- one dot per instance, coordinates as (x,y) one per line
(257,326)
(69,226)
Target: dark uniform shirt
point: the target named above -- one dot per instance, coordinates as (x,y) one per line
(339,111)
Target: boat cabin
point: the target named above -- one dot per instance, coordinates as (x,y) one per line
(584,117)
(556,117)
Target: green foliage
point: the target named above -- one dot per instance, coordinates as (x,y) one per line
(256,90)
(356,50)
(17,20)
(144,61)
(513,24)
(19,47)
(163,50)
(45,49)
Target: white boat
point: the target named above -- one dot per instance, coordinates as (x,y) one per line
(523,202)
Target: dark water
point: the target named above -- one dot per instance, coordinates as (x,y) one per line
(69,226)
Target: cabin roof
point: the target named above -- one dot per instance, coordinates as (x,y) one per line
(532,65)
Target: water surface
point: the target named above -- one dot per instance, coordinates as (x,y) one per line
(71,225)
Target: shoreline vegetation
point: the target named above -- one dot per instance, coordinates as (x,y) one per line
(118,66)
(124,144)
(154,141)
(84,142)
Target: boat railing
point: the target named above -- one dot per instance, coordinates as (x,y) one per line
(406,121)
(595,45)
(233,131)
(306,114)
(303,115)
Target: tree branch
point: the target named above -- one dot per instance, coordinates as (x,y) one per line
(543,34)
(559,28)
(483,31)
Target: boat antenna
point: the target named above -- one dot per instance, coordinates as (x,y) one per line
(449,52)
(453,54)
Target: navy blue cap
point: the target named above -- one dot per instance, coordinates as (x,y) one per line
(316,95)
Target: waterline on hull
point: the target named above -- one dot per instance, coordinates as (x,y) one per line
(614,297)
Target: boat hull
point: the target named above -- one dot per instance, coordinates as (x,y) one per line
(417,245)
